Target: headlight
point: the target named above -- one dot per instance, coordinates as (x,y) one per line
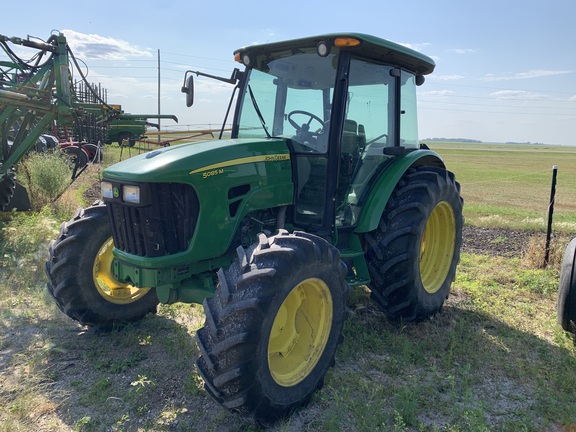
(106,190)
(131,194)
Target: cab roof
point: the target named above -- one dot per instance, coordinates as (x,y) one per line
(371,47)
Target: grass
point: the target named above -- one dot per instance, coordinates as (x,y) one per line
(509,185)
(494,359)
(45,176)
(485,363)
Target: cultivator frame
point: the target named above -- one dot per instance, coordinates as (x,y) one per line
(34,94)
(39,95)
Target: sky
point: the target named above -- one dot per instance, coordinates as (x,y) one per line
(505,70)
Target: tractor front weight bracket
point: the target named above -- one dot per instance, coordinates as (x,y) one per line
(174,284)
(192,290)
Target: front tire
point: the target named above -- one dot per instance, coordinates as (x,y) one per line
(566,307)
(413,254)
(80,277)
(273,325)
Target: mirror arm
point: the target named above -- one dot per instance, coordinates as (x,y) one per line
(236,74)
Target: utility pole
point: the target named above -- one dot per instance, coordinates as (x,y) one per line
(159,129)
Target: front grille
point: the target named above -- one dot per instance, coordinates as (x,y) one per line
(163,227)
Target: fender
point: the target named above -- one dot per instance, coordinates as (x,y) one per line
(382,189)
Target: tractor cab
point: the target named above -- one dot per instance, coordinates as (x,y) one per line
(345,104)
(345,110)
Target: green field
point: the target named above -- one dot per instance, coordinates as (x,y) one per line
(508,185)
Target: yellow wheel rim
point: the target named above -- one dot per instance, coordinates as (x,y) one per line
(108,287)
(437,248)
(300,332)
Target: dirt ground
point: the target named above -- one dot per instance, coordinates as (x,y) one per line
(528,246)
(495,241)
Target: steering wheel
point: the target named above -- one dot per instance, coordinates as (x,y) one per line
(305,127)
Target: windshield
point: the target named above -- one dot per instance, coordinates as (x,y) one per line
(293,98)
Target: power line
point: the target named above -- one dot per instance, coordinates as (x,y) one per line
(497,112)
(425,94)
(443,84)
(496,105)
(184,68)
(198,57)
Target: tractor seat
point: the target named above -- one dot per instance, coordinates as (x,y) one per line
(349,137)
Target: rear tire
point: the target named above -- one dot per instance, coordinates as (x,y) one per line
(413,254)
(121,137)
(273,325)
(80,278)
(7,187)
(567,290)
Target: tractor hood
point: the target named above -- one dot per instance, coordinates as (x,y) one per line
(230,179)
(190,162)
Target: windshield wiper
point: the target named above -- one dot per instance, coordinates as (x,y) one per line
(255,104)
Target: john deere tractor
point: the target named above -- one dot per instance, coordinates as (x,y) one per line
(323,186)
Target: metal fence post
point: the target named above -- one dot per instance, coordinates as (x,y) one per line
(550,214)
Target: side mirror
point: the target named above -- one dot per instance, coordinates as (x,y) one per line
(189,90)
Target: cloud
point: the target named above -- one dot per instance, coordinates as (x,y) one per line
(541,73)
(572,99)
(447,77)
(535,73)
(121,88)
(517,94)
(462,51)
(436,93)
(96,47)
(416,47)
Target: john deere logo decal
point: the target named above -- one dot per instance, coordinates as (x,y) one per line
(217,169)
(116,192)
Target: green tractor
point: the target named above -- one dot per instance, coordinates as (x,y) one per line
(131,127)
(323,186)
